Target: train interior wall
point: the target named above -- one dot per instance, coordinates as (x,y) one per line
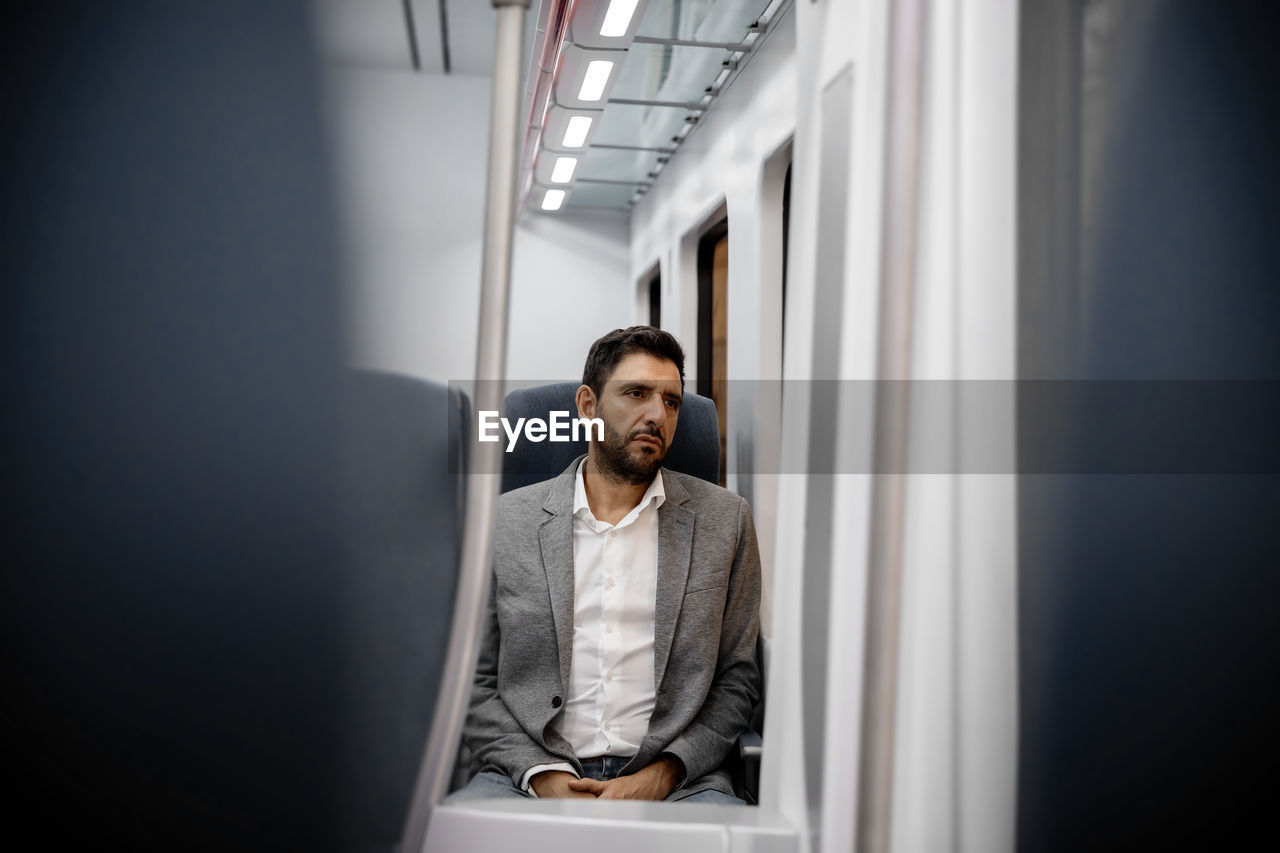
(955,727)
(814,98)
(411,178)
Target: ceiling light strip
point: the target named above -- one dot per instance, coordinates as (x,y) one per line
(575,133)
(594,81)
(564,169)
(618,19)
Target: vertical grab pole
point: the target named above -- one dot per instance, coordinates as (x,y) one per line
(482,490)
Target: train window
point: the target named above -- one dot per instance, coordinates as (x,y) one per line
(713,324)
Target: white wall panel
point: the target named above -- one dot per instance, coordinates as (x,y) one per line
(956,739)
(955,752)
(570,286)
(411,155)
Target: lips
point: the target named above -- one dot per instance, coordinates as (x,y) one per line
(649,439)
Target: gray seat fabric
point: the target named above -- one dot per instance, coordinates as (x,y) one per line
(695,449)
(402,512)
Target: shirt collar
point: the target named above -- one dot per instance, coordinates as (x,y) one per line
(655,493)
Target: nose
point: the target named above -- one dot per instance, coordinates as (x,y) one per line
(656,412)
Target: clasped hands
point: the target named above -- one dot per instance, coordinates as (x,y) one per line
(654,782)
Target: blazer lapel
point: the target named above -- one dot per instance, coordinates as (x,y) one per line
(555,536)
(675,549)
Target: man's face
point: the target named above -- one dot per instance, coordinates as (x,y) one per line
(638,404)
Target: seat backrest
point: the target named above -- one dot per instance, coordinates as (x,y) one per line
(402,516)
(695,449)
(171,313)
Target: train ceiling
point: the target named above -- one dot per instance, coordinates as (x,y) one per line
(426,36)
(615,89)
(613,86)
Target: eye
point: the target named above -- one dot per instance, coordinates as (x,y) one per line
(673,404)
(635,393)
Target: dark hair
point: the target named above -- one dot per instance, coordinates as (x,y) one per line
(620,343)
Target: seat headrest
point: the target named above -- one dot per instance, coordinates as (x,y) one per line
(695,449)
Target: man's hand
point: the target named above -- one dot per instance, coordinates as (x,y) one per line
(550,784)
(650,783)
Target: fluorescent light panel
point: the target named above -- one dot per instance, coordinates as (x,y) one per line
(563,172)
(594,80)
(552,199)
(618,18)
(576,132)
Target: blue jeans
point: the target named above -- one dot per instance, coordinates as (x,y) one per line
(488,785)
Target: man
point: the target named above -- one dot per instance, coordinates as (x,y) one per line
(618,659)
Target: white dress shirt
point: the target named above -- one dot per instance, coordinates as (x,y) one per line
(615,582)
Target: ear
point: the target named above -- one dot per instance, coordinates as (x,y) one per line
(586,400)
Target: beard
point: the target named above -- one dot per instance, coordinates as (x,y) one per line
(631,466)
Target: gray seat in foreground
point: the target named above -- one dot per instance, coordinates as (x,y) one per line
(402,508)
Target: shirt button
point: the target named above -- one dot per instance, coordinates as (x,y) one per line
(608,629)
(608,676)
(610,583)
(606,727)
(612,533)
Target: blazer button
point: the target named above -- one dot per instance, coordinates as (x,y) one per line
(556,701)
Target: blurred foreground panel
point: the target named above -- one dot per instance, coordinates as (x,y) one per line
(169,323)
(1149,639)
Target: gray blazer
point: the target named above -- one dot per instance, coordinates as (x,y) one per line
(706,620)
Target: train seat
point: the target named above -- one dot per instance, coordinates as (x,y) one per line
(403,518)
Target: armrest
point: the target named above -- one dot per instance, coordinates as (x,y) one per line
(750,745)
